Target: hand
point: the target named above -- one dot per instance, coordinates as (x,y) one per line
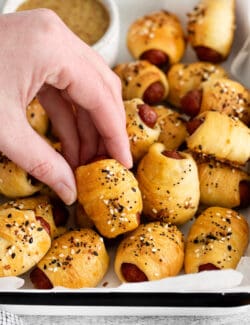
(40,56)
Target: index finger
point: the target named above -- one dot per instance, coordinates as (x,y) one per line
(98,62)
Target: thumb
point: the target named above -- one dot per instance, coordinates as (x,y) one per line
(32,153)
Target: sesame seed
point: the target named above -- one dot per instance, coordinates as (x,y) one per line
(134,139)
(123,219)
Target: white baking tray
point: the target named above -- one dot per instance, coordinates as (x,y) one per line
(171,297)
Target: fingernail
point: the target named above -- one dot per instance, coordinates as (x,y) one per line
(127,160)
(65,192)
(130,162)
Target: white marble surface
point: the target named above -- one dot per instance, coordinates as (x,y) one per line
(242,319)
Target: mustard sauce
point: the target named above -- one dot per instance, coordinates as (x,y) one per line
(88,19)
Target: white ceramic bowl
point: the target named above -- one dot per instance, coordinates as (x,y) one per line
(108,45)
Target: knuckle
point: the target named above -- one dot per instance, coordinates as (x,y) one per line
(48,24)
(103,91)
(47,16)
(42,171)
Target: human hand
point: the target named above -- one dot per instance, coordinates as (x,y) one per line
(40,56)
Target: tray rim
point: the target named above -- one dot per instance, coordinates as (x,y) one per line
(127,299)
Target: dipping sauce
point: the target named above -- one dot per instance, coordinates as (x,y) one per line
(88,19)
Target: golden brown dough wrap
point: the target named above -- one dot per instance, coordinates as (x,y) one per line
(221,137)
(211,27)
(110,196)
(218,237)
(169,186)
(77,259)
(136,77)
(37,117)
(156,249)
(220,184)
(14,181)
(23,240)
(173,130)
(226,96)
(43,208)
(140,135)
(184,78)
(160,30)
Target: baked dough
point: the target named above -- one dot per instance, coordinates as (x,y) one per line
(156,249)
(160,30)
(221,137)
(185,77)
(14,181)
(136,77)
(110,196)
(43,209)
(211,26)
(220,184)
(217,239)
(77,259)
(173,130)
(226,96)
(169,186)
(23,241)
(37,117)
(140,135)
